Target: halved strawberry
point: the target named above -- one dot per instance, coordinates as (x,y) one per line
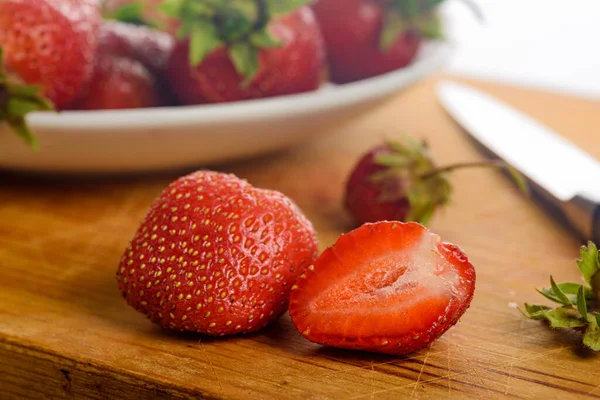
(388,287)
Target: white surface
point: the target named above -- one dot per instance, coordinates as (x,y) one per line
(152,139)
(546,44)
(515,138)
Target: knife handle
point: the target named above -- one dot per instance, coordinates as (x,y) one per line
(584,215)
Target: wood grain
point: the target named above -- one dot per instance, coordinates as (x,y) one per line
(65,331)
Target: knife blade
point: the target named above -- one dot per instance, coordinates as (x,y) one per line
(556,168)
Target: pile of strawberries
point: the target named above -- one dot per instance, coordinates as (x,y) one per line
(122,54)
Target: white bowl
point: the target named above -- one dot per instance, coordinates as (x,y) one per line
(178,137)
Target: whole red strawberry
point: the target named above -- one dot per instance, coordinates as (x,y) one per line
(120,83)
(148,46)
(50,43)
(399,181)
(217,256)
(389,183)
(366,38)
(237,54)
(388,287)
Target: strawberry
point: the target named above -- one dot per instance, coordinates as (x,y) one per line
(401,182)
(120,83)
(366,38)
(50,43)
(217,256)
(242,50)
(388,287)
(16,101)
(148,46)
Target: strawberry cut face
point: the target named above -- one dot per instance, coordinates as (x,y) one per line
(387,287)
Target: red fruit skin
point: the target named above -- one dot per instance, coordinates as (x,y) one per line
(51,43)
(351,30)
(392,328)
(362,198)
(148,46)
(120,83)
(295,67)
(217,256)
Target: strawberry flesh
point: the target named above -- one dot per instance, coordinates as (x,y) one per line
(388,287)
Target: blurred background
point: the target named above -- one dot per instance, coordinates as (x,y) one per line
(545,44)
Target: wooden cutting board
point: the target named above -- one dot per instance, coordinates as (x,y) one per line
(66,332)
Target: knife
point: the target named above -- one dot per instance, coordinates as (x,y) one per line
(557,170)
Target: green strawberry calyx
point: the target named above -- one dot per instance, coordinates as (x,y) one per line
(241,26)
(402,16)
(16,101)
(578,303)
(410,172)
(420,16)
(131,13)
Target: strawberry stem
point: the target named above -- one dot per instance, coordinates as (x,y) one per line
(262,15)
(471,164)
(515,175)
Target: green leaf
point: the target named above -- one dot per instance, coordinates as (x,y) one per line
(430,26)
(409,146)
(591,337)
(549,294)
(573,288)
(409,8)
(20,107)
(16,101)
(589,263)
(23,90)
(245,60)
(563,317)
(581,303)
(422,204)
(172,8)
(534,311)
(278,7)
(22,130)
(393,26)
(203,39)
(413,8)
(264,40)
(559,293)
(392,160)
(130,13)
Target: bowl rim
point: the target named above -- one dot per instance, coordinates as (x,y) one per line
(432,56)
